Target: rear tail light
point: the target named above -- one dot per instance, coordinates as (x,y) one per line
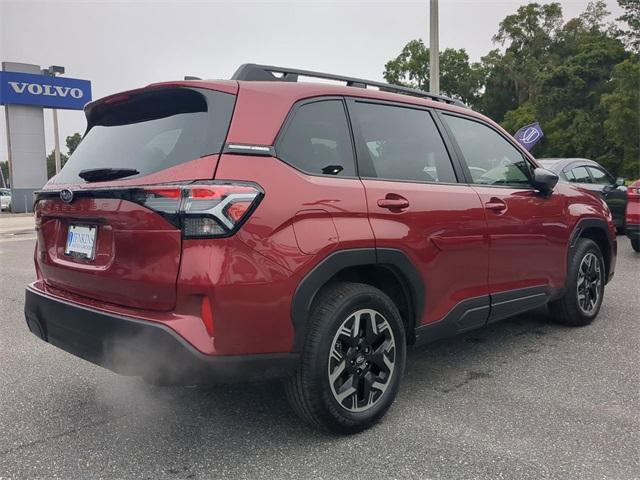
(633,192)
(204,210)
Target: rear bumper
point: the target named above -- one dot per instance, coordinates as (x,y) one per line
(633,231)
(129,346)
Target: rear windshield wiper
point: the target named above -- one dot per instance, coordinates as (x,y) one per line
(102,174)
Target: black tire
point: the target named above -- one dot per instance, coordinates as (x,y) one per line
(572,309)
(310,391)
(635,244)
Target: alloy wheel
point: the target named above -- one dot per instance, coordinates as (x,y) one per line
(361,360)
(589,286)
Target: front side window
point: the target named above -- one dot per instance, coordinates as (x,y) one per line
(401,144)
(491,159)
(317,140)
(600,177)
(580,175)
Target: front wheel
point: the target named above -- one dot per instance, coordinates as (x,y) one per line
(635,244)
(352,360)
(584,286)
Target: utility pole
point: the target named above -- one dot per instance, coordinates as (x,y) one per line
(434,49)
(56,140)
(53,70)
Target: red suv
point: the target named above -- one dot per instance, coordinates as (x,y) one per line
(261,227)
(632,219)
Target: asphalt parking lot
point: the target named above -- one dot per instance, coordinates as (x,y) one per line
(519,399)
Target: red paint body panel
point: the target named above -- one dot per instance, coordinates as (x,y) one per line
(270,230)
(137,252)
(144,268)
(527,240)
(443,231)
(632,216)
(249,295)
(262,106)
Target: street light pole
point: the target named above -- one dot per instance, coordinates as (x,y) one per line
(434,49)
(53,70)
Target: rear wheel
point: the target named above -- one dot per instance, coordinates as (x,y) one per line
(635,244)
(352,360)
(584,287)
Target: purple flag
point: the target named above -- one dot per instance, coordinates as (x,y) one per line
(529,135)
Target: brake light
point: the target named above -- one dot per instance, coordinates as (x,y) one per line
(237,210)
(633,192)
(207,210)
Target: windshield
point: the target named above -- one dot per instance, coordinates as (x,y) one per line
(151,131)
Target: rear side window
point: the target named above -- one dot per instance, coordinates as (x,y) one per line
(579,175)
(491,159)
(317,140)
(401,144)
(151,131)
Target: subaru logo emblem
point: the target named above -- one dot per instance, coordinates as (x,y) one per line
(66,195)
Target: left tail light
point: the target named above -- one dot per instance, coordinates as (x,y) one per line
(633,192)
(214,209)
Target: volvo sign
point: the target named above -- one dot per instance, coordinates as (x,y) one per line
(17,88)
(25,91)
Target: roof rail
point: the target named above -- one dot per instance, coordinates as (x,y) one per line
(254,72)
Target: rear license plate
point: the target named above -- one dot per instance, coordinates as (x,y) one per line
(81,241)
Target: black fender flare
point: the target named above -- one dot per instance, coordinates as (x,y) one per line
(600,224)
(396,260)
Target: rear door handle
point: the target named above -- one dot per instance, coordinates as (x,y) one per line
(393,202)
(496,205)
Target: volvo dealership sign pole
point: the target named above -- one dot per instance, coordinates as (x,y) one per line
(54,70)
(24,92)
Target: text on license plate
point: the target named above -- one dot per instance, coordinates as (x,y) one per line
(81,241)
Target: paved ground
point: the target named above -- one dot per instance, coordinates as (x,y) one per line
(521,399)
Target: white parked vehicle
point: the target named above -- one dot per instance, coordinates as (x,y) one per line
(5,199)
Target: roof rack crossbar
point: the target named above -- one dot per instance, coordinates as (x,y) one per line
(254,72)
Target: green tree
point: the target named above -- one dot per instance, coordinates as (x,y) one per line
(583,55)
(529,33)
(622,124)
(72,142)
(499,95)
(458,78)
(631,17)
(580,79)
(5,173)
(51,163)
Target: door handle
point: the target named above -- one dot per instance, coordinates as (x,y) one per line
(496,205)
(393,202)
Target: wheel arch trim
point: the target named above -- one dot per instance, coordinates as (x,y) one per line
(600,224)
(397,260)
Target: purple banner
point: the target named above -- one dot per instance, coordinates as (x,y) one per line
(529,135)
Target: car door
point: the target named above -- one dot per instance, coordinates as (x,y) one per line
(527,230)
(417,206)
(614,195)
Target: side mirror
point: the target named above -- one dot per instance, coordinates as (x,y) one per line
(544,180)
(619,182)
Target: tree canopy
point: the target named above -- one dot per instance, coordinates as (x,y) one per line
(72,142)
(579,78)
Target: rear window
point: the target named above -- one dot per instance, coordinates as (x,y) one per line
(151,131)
